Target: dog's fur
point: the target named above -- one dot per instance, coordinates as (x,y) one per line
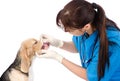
(19,69)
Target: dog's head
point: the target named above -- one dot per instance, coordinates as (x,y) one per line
(28,49)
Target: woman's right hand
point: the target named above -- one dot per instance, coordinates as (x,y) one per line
(51,40)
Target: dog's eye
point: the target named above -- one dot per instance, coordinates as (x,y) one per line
(35,42)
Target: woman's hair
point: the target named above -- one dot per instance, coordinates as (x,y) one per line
(78,13)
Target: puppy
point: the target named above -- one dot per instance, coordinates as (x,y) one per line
(19,69)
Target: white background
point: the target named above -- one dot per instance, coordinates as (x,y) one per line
(22,19)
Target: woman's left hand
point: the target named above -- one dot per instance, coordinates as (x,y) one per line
(50,54)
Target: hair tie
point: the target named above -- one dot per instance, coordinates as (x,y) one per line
(94,6)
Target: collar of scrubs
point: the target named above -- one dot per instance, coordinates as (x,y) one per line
(85,45)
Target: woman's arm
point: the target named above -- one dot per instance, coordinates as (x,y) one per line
(69,46)
(78,70)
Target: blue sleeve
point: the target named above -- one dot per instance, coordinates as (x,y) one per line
(76,40)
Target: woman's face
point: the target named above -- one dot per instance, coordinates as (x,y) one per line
(75,32)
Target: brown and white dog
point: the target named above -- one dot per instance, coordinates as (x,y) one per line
(19,69)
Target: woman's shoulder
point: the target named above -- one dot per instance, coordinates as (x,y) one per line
(113,35)
(112,32)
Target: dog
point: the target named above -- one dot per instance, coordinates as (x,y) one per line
(19,69)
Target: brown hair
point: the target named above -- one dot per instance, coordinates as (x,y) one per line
(78,13)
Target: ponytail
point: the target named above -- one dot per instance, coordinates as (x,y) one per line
(100,23)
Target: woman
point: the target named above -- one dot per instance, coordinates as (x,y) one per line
(95,37)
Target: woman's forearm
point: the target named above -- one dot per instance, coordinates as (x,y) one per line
(78,70)
(69,46)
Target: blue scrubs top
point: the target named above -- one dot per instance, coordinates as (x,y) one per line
(88,48)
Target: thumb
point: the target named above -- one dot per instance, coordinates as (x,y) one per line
(44,36)
(43,53)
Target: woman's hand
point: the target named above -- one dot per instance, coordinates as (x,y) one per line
(53,41)
(50,54)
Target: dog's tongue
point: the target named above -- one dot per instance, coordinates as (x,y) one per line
(45,45)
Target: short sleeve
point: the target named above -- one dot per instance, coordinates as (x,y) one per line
(76,40)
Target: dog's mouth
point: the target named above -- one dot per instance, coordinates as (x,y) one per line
(45,45)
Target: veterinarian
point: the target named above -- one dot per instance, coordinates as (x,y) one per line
(95,37)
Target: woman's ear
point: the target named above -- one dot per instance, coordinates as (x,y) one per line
(87,27)
(25,61)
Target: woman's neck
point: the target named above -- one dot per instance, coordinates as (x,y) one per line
(91,30)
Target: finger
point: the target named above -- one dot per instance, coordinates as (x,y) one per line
(42,56)
(39,55)
(44,36)
(41,40)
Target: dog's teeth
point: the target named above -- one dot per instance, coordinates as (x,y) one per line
(45,44)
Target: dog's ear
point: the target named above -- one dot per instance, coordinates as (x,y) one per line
(27,51)
(25,60)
